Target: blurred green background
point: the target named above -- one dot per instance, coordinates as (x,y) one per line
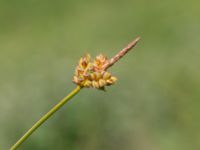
(155,103)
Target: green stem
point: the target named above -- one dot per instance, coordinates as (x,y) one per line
(45,117)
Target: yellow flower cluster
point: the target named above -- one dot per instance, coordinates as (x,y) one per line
(90,73)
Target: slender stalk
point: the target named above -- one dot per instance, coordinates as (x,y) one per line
(45,117)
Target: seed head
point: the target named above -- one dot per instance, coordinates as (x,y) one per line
(99,62)
(93,73)
(90,73)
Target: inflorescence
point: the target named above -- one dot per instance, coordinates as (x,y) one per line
(92,73)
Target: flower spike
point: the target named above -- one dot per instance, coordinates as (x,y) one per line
(93,73)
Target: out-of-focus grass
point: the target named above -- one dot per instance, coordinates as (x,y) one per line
(154,105)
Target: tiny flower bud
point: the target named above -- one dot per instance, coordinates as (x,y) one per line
(109,82)
(102,82)
(106,75)
(75,79)
(114,79)
(95,84)
(87,83)
(97,75)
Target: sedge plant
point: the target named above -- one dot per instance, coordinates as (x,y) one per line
(89,73)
